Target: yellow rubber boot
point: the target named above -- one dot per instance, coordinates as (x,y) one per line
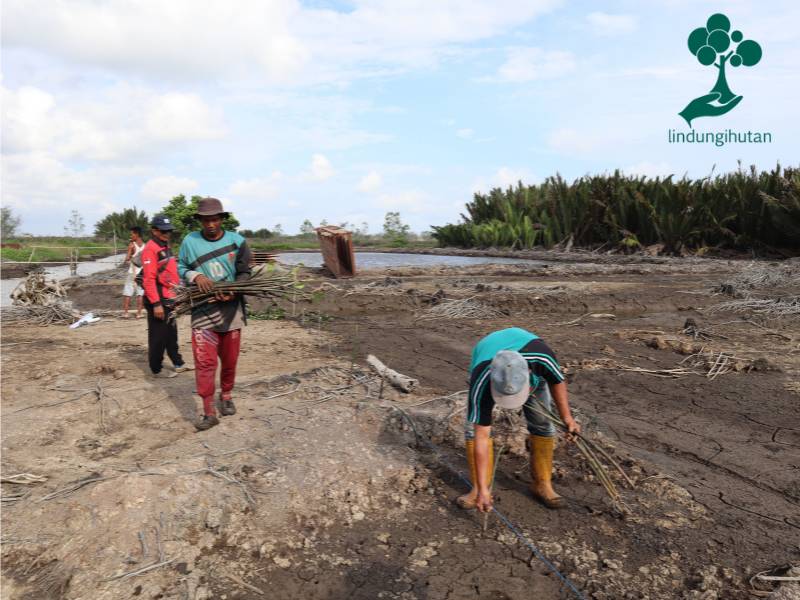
(541,449)
(469,501)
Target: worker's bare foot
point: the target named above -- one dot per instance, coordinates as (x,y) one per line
(124,315)
(545,494)
(468,501)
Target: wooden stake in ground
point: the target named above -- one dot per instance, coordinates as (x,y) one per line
(402,382)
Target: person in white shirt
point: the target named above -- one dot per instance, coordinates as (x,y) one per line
(132,287)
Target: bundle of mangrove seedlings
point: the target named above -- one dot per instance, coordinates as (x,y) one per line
(592,453)
(266,281)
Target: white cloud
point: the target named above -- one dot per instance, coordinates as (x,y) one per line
(321,168)
(413,201)
(503,178)
(259,188)
(571,141)
(166,187)
(465,133)
(181,117)
(43,190)
(528,64)
(605,24)
(173,39)
(120,123)
(272,40)
(506,176)
(370,182)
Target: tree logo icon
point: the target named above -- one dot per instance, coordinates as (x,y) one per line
(715,44)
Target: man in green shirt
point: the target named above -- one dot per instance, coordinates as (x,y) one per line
(206,257)
(513,368)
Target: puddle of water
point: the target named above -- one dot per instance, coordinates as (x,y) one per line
(369,260)
(62,272)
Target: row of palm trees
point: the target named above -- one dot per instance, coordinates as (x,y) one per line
(743,209)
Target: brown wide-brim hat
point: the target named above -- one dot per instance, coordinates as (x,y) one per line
(210,207)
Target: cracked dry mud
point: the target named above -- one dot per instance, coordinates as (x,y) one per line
(317,488)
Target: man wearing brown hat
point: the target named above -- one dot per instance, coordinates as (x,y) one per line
(205,257)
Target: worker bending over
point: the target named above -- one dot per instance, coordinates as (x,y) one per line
(513,368)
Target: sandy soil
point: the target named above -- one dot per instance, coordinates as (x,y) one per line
(319,488)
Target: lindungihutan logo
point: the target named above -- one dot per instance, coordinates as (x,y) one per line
(716,45)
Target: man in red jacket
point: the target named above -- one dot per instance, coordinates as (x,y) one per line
(159,275)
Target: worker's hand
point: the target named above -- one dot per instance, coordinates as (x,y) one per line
(484,501)
(158,312)
(222,297)
(204,283)
(573,429)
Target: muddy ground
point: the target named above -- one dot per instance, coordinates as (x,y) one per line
(320,488)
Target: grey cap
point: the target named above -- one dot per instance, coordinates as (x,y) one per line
(510,379)
(162,223)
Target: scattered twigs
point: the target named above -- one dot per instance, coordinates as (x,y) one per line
(66,491)
(248,496)
(465,308)
(49,404)
(764,289)
(334,393)
(772,307)
(666,373)
(15,496)
(757,276)
(23,479)
(141,571)
(589,315)
(429,400)
(788,574)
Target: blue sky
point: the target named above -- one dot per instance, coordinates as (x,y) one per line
(346,110)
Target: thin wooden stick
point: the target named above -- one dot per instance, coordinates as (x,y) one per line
(244,584)
(139,571)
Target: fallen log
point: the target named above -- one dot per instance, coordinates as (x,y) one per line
(404,383)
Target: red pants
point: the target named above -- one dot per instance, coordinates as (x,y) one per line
(209,346)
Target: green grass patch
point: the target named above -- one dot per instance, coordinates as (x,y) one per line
(271,313)
(41,249)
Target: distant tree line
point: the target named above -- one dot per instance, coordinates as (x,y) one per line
(181,211)
(744,209)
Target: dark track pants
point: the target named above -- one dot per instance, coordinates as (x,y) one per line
(162,334)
